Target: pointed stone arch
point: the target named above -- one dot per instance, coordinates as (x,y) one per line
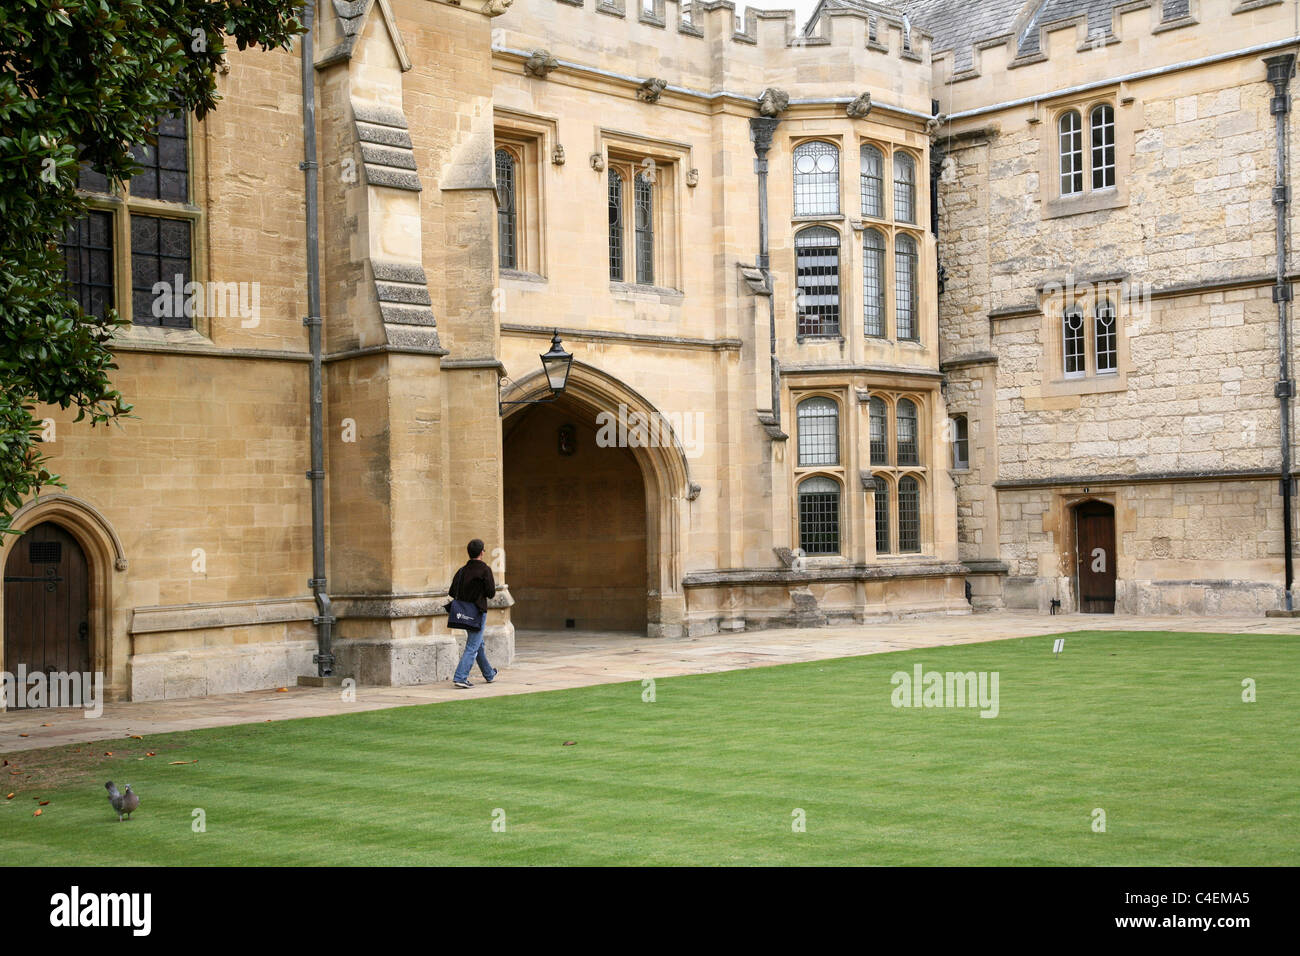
(109,646)
(665,470)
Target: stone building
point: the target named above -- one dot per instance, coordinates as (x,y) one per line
(817,333)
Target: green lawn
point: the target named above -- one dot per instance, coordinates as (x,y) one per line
(1149,727)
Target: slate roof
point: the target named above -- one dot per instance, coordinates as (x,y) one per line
(959,25)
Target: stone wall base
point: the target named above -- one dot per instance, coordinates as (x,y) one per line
(398,661)
(220,670)
(1210,598)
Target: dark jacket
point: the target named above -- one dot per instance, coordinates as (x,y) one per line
(473,582)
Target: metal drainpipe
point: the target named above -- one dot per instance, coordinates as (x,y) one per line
(761,130)
(324,619)
(1280,69)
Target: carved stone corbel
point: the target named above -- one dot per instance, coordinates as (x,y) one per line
(860,107)
(557,155)
(540,63)
(773,102)
(650,90)
(598,162)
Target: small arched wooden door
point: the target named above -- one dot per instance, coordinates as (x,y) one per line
(47,603)
(1095,534)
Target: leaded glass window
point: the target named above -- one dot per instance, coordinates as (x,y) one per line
(816,179)
(817,266)
(507,218)
(873,283)
(905,431)
(873,182)
(909,515)
(819,516)
(819,432)
(905,297)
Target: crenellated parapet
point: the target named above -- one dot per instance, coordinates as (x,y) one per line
(1007,52)
(709,50)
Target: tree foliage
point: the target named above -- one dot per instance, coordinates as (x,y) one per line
(83,81)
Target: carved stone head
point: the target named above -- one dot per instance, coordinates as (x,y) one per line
(651,89)
(540,63)
(860,107)
(773,102)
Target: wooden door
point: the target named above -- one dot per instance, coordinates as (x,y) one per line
(1095,534)
(47,603)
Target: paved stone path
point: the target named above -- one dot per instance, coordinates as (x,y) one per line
(555,660)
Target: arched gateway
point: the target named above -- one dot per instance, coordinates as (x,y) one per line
(595,487)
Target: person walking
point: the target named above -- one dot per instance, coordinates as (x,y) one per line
(474,582)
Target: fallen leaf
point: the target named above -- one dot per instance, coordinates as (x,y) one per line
(47,725)
(14,772)
(136,737)
(569,743)
(9,796)
(108,753)
(24,735)
(44,803)
(177,763)
(37,813)
(150,753)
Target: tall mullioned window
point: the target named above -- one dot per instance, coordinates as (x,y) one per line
(881,495)
(145,224)
(873,283)
(507,213)
(905,288)
(1103,146)
(1075,363)
(816,179)
(909,452)
(904,188)
(817,268)
(909,515)
(873,182)
(878,415)
(615,192)
(1070,133)
(645,231)
(88,262)
(819,515)
(819,432)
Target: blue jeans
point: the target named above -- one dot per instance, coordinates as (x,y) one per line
(474,649)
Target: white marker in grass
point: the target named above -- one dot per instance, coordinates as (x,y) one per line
(1058,646)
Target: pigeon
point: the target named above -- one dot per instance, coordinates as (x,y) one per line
(123,803)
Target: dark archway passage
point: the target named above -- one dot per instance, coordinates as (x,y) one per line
(47,603)
(1095,534)
(575,524)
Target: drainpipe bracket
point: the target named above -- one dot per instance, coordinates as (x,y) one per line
(307,164)
(314,475)
(1284,389)
(1281,195)
(310,320)
(1279,105)
(1282,292)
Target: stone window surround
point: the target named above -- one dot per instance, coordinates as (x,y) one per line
(851,254)
(1055,381)
(120,205)
(631,152)
(530,139)
(837,473)
(1128,119)
(892,473)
